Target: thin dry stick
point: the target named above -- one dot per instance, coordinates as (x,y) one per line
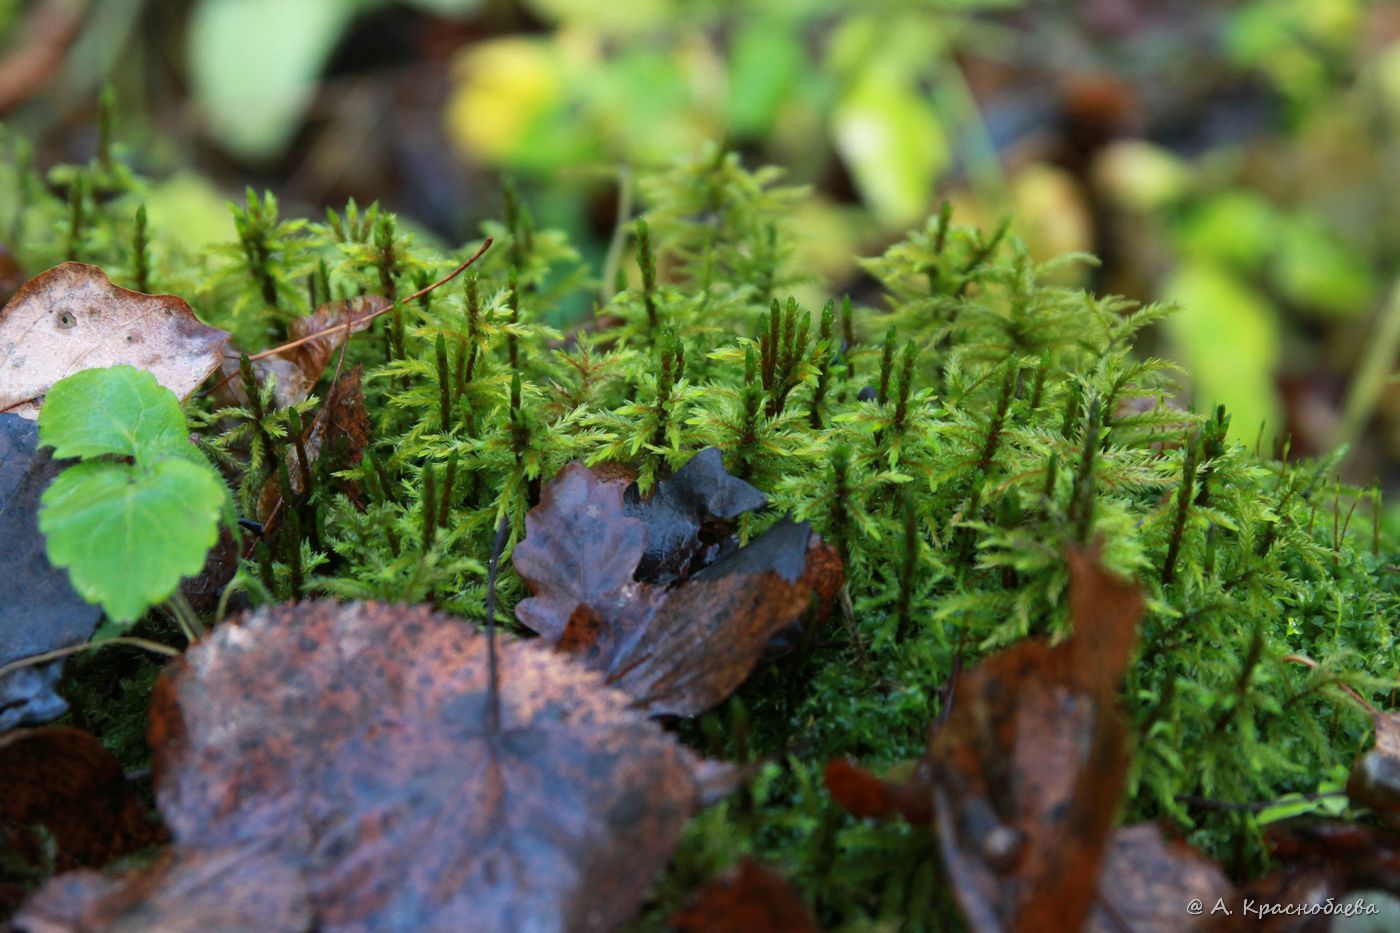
(154,647)
(493,709)
(1313,665)
(347,324)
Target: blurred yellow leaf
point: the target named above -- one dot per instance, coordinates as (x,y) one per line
(1051,212)
(503,86)
(1140,175)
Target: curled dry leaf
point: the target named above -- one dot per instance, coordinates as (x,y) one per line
(342,429)
(746,899)
(680,649)
(865,795)
(1022,782)
(297,370)
(1375,778)
(1147,881)
(356,745)
(72,317)
(1353,864)
(39,611)
(1029,765)
(60,783)
(700,496)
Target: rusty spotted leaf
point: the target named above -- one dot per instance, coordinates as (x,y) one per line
(1147,881)
(356,742)
(341,430)
(298,369)
(72,317)
(39,609)
(1029,765)
(678,649)
(60,783)
(746,899)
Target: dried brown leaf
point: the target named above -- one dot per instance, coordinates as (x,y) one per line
(61,783)
(868,796)
(746,899)
(72,317)
(298,369)
(1148,881)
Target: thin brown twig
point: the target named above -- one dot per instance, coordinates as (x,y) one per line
(48,32)
(1346,688)
(354,322)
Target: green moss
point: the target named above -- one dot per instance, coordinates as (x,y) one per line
(951,439)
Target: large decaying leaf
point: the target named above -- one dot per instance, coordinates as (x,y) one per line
(61,791)
(72,318)
(595,557)
(352,747)
(39,609)
(126,532)
(235,890)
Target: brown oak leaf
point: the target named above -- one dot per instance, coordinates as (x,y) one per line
(1021,782)
(1029,765)
(677,649)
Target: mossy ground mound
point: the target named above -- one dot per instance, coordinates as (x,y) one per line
(950,438)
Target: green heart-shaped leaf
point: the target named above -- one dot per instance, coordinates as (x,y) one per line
(128,534)
(120,410)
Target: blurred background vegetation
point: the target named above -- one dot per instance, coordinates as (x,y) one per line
(1241,157)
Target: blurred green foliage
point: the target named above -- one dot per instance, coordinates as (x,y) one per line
(644,81)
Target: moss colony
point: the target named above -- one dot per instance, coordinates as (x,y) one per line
(950,438)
